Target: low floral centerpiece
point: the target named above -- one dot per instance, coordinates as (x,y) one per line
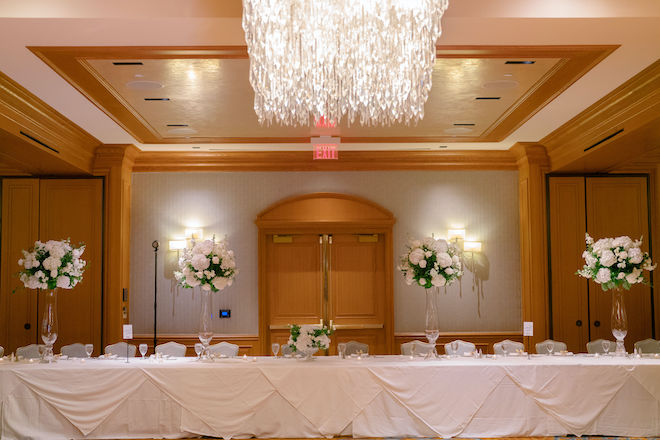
(50,266)
(307,339)
(209,265)
(616,264)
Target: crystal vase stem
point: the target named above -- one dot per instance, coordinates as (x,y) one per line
(49,325)
(619,321)
(206,321)
(432,328)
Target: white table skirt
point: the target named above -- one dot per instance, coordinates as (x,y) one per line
(390,396)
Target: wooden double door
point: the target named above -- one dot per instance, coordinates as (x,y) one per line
(603,207)
(335,279)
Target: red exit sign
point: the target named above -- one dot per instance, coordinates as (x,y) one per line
(326,147)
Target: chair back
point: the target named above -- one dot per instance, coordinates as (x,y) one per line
(76,350)
(463,348)
(597,346)
(648,346)
(420,347)
(224,349)
(287,350)
(119,349)
(171,348)
(355,347)
(509,346)
(2,351)
(28,352)
(542,347)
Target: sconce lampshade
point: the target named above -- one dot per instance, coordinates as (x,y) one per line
(456,234)
(177,245)
(472,246)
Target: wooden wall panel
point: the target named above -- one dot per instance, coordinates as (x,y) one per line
(569,296)
(20,229)
(618,206)
(73,208)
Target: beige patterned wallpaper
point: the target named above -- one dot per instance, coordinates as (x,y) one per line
(485,203)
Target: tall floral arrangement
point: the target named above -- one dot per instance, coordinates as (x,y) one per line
(430,262)
(209,264)
(305,337)
(52,264)
(615,262)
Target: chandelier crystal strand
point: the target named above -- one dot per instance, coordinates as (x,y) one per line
(368,60)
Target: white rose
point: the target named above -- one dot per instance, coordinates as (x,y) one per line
(422,282)
(607,258)
(621,276)
(440,245)
(635,255)
(409,277)
(624,242)
(590,259)
(63,282)
(216,260)
(602,244)
(53,273)
(439,281)
(428,241)
(206,287)
(444,260)
(200,262)
(203,247)
(192,281)
(449,271)
(219,283)
(416,256)
(603,276)
(422,263)
(633,277)
(455,259)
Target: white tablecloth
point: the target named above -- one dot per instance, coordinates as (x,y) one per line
(388,396)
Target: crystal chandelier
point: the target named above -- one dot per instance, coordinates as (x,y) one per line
(370,60)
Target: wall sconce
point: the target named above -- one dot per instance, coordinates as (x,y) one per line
(177,245)
(194,233)
(472,246)
(456,234)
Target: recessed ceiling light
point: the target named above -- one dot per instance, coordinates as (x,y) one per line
(127,63)
(192,74)
(442,146)
(486,98)
(501,84)
(144,85)
(139,75)
(508,74)
(156,99)
(458,130)
(520,62)
(464,124)
(176,125)
(195,148)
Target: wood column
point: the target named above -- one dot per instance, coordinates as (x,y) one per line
(115,164)
(533,163)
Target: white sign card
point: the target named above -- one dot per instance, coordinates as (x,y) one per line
(528,328)
(128,331)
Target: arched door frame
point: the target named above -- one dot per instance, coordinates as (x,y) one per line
(326,213)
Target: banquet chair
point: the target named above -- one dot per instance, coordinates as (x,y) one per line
(597,346)
(355,347)
(224,349)
(510,346)
(542,347)
(648,346)
(2,351)
(287,350)
(171,348)
(76,350)
(28,352)
(463,348)
(119,349)
(420,347)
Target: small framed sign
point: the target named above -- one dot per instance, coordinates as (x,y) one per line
(128,331)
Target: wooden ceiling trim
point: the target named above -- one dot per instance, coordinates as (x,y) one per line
(633,106)
(302,161)
(70,63)
(36,123)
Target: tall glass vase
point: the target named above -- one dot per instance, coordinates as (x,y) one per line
(206,321)
(432,328)
(619,321)
(49,323)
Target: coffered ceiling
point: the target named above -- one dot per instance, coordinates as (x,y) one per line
(194,58)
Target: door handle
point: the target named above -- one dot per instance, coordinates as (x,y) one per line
(578,323)
(596,323)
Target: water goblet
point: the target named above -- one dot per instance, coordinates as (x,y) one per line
(454,348)
(143,349)
(89,349)
(606,346)
(551,346)
(342,350)
(413,349)
(276,348)
(198,350)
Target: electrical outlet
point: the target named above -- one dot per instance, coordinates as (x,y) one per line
(224,313)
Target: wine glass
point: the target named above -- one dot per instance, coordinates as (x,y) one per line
(143,349)
(454,348)
(276,348)
(198,350)
(89,349)
(551,346)
(413,351)
(606,346)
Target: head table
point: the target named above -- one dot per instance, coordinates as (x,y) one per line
(377,396)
